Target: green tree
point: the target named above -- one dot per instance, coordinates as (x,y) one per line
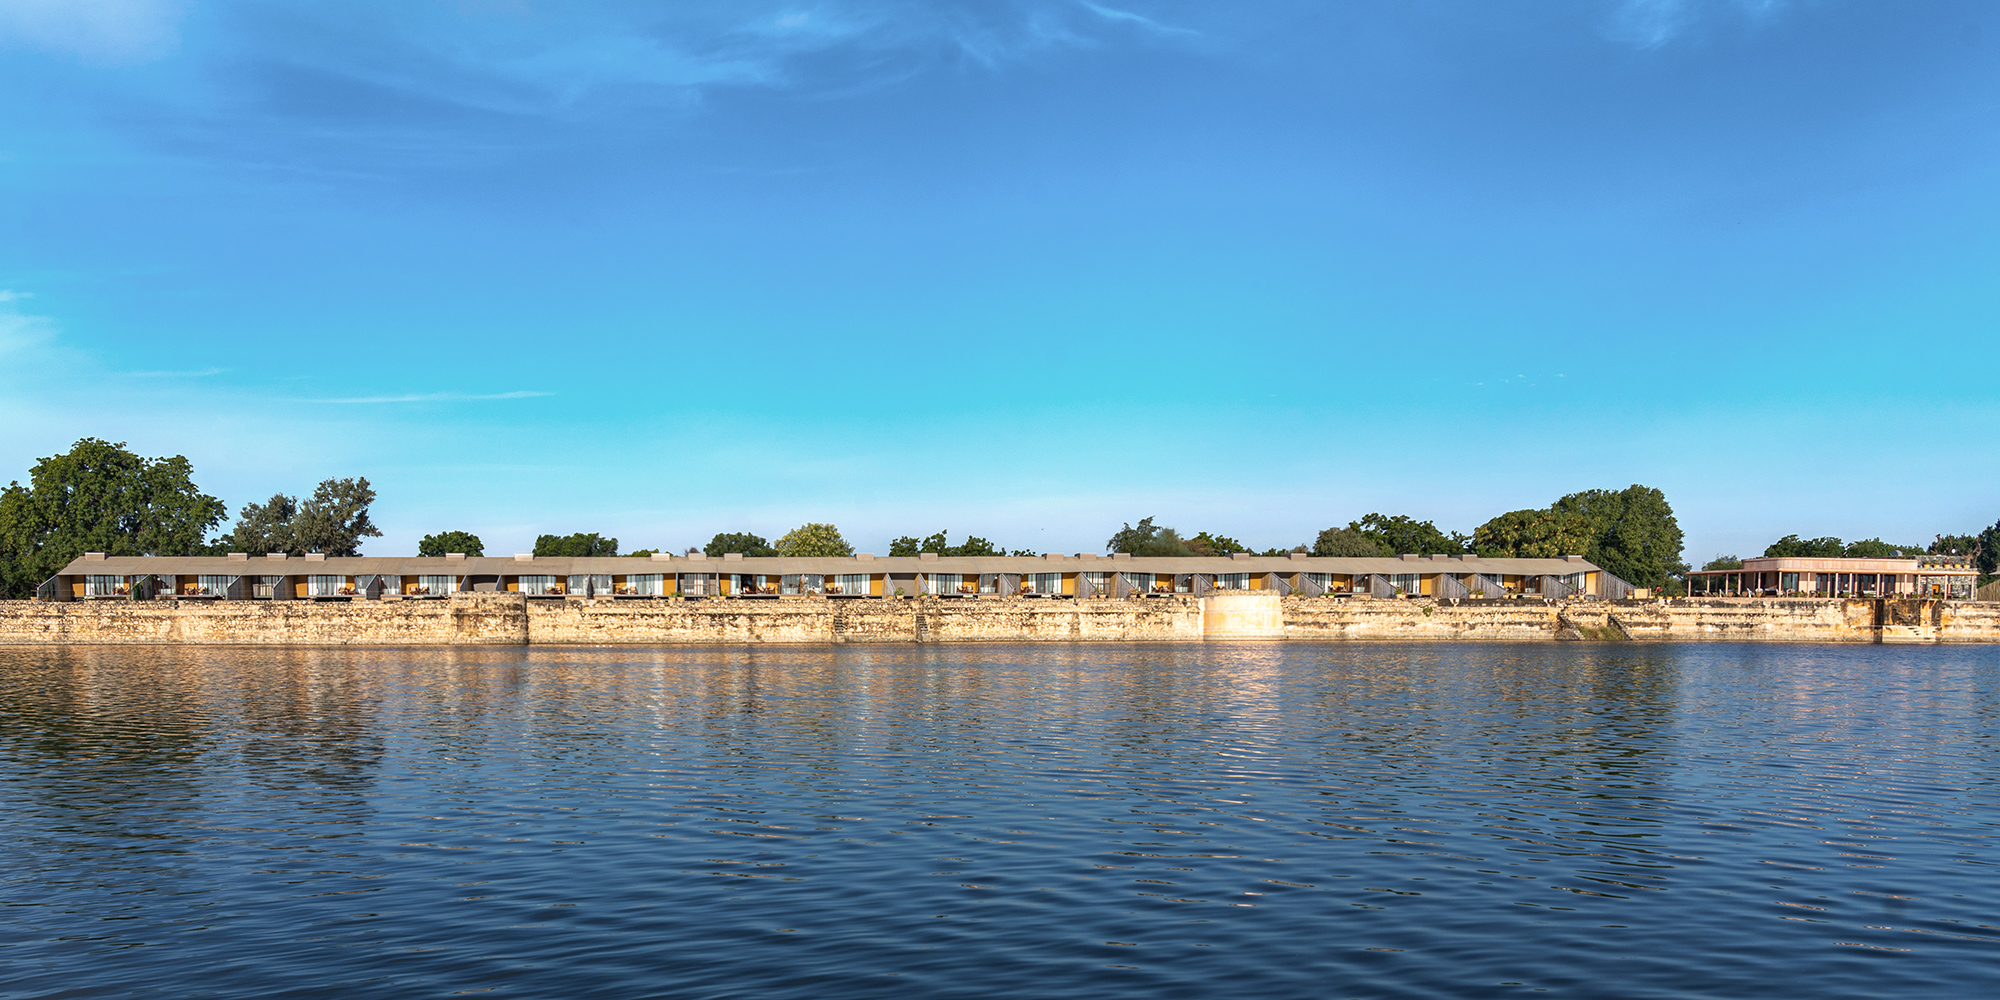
(100,497)
(1148,539)
(1875,548)
(435,546)
(1636,536)
(333,520)
(810,539)
(1535,534)
(1349,543)
(1402,534)
(1205,544)
(1963,545)
(1794,547)
(745,544)
(1986,558)
(940,543)
(1723,562)
(263,528)
(579,545)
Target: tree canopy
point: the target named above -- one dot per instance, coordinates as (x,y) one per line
(1535,534)
(100,497)
(333,520)
(1348,543)
(740,542)
(1402,534)
(1630,532)
(579,545)
(810,539)
(444,542)
(1794,547)
(1149,539)
(940,543)
(1723,562)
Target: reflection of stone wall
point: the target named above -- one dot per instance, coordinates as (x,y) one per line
(512,619)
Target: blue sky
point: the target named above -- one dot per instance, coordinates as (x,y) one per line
(1023,268)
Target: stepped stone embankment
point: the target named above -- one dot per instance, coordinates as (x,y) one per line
(509,619)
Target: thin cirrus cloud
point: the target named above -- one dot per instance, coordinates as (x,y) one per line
(434,397)
(1650,24)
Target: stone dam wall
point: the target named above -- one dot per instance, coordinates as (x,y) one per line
(507,619)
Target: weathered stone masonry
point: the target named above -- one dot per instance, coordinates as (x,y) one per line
(509,619)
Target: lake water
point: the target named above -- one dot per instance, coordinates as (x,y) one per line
(1340,820)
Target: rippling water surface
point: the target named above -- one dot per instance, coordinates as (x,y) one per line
(1366,820)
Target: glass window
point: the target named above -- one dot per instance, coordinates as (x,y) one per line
(1041,583)
(434,585)
(849,583)
(213,586)
(590,583)
(103,586)
(942,583)
(1405,582)
(1232,581)
(644,585)
(324,586)
(539,586)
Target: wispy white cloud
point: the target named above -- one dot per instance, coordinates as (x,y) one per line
(99,31)
(1114,14)
(20,331)
(1653,23)
(434,397)
(198,373)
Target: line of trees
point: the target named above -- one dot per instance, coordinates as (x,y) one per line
(1983,548)
(1631,532)
(101,497)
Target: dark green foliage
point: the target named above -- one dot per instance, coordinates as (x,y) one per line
(437,545)
(1794,547)
(1535,534)
(1206,544)
(813,540)
(1635,535)
(1963,545)
(1723,562)
(1631,533)
(940,543)
(641,554)
(1347,542)
(1986,557)
(1402,534)
(264,527)
(100,497)
(579,545)
(747,544)
(333,520)
(1875,548)
(1148,539)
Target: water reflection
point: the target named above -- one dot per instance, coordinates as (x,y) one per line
(1291,820)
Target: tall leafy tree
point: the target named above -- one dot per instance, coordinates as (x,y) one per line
(1535,534)
(333,521)
(1636,536)
(747,544)
(940,543)
(100,497)
(813,540)
(1349,543)
(1630,532)
(1987,556)
(1794,547)
(435,546)
(1401,534)
(581,544)
(264,527)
